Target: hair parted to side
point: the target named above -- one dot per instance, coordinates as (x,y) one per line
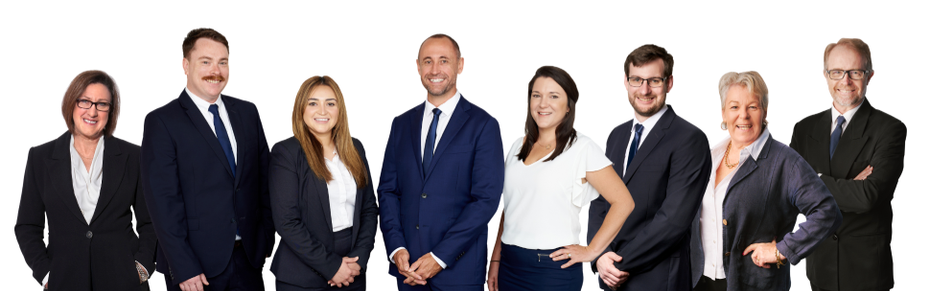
(455,44)
(565,133)
(199,33)
(856,44)
(750,80)
(76,90)
(646,54)
(312,147)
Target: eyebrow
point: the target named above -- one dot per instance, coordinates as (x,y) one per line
(327,99)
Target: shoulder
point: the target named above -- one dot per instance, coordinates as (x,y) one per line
(474,110)
(620,129)
(288,144)
(241,106)
(170,108)
(47,148)
(808,122)
(358,145)
(884,120)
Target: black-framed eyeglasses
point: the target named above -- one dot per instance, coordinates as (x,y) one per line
(87,104)
(653,82)
(853,74)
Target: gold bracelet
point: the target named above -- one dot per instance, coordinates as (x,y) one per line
(778,261)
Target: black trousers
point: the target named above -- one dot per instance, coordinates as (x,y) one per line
(708,284)
(239,275)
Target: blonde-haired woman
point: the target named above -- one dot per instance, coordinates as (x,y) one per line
(322,196)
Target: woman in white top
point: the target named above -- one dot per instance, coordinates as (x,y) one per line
(549,175)
(322,198)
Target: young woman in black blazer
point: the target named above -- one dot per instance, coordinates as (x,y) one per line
(322,197)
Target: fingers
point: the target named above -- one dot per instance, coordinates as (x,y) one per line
(203,279)
(623,277)
(570,263)
(613,256)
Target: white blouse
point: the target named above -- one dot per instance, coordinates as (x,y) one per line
(87,183)
(542,200)
(342,191)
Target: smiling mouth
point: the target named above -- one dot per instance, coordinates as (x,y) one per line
(92,122)
(321,119)
(744,126)
(214,79)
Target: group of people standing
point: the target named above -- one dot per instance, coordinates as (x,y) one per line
(667,211)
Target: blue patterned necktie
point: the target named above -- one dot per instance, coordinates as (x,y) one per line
(223,138)
(430,140)
(837,132)
(635,145)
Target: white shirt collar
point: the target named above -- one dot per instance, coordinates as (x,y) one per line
(446,107)
(202,104)
(651,121)
(754,149)
(848,115)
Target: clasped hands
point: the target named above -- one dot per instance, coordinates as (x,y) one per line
(346,273)
(417,273)
(609,273)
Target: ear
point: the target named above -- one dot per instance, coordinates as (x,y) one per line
(461,65)
(185,63)
(869,77)
(670,82)
(418,65)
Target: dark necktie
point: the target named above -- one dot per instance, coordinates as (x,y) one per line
(223,138)
(837,132)
(430,140)
(635,145)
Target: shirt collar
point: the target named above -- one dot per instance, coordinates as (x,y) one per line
(652,120)
(848,115)
(202,104)
(446,107)
(754,149)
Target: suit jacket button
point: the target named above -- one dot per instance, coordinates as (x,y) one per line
(724,222)
(418,226)
(232,220)
(89,234)
(835,237)
(727,254)
(423,195)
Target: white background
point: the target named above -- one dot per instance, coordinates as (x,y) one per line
(370,48)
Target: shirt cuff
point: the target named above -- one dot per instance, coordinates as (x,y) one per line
(45,280)
(147,274)
(391,256)
(441,263)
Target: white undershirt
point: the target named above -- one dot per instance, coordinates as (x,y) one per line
(342,189)
(87,183)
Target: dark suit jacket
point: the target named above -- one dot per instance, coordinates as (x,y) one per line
(196,202)
(98,256)
(448,211)
(300,206)
(667,179)
(762,204)
(863,242)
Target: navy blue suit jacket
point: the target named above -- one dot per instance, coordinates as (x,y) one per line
(762,204)
(446,211)
(304,220)
(667,179)
(195,201)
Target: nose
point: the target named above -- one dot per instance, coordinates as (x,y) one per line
(543,102)
(645,89)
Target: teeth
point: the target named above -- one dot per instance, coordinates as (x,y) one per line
(214,81)
(744,126)
(545,113)
(90,121)
(321,119)
(436,80)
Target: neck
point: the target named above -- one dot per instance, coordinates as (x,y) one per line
(86,146)
(546,136)
(439,100)
(209,99)
(641,118)
(843,109)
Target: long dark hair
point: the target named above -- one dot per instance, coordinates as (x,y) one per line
(565,134)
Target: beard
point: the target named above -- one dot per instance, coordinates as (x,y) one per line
(439,91)
(651,110)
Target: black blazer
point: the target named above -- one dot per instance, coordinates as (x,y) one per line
(196,202)
(300,207)
(667,179)
(98,256)
(863,241)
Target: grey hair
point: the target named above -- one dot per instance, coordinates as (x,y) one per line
(750,80)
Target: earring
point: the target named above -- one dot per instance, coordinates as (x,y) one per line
(723,125)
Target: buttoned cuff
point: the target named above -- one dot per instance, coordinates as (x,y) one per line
(391,256)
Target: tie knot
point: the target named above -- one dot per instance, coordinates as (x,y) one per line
(638,128)
(436,111)
(840,120)
(213,109)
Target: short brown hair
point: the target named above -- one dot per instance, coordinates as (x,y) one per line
(856,44)
(648,53)
(455,44)
(199,33)
(76,90)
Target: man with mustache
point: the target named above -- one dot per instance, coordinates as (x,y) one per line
(204,175)
(665,163)
(441,181)
(859,153)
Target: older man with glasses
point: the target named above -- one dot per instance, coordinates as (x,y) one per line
(859,153)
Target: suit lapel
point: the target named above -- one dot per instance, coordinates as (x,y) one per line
(235,120)
(113,164)
(749,166)
(851,142)
(322,192)
(459,116)
(197,118)
(59,165)
(618,149)
(416,125)
(651,140)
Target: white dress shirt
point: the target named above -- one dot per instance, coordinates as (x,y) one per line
(86,182)
(342,191)
(542,200)
(848,116)
(648,124)
(447,109)
(712,205)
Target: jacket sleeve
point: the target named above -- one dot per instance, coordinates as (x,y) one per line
(389,197)
(285,202)
(365,242)
(30,222)
(887,161)
(812,199)
(146,253)
(689,171)
(263,158)
(487,183)
(162,190)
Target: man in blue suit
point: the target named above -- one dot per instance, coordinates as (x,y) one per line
(441,181)
(204,173)
(665,162)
